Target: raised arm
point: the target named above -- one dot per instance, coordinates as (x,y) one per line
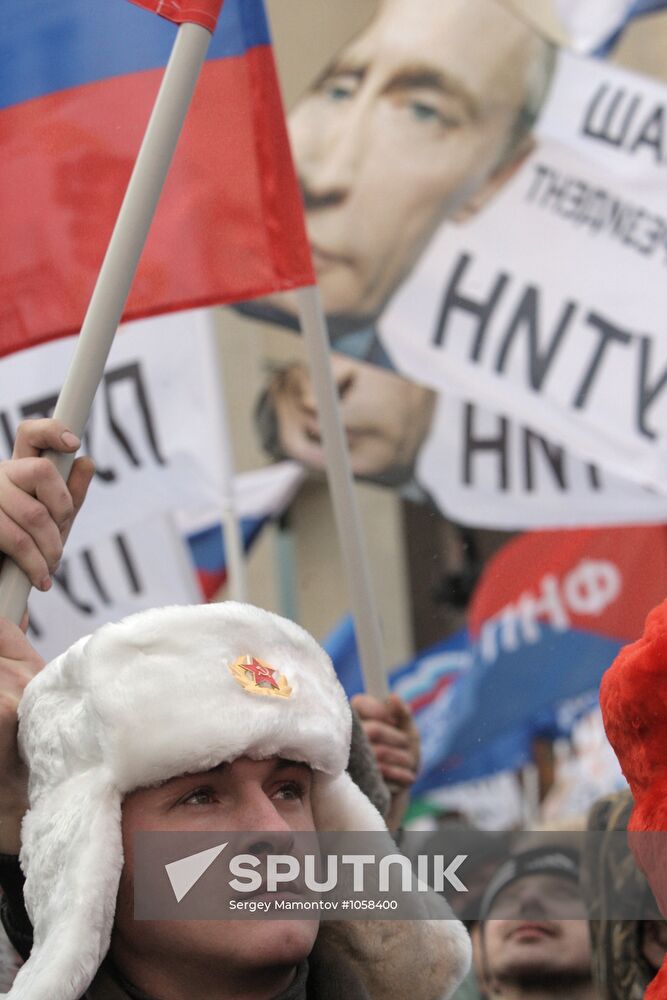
(37,510)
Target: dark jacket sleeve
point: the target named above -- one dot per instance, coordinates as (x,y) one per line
(13,914)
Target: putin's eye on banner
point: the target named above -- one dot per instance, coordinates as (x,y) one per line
(488,218)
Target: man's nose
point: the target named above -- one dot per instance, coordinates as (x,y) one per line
(329,168)
(344,383)
(531,903)
(263,821)
(307,398)
(264,842)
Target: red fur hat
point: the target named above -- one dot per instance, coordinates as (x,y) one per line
(633,698)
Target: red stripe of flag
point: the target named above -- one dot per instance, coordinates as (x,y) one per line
(428,697)
(203,12)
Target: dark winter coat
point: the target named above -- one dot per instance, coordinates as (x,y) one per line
(327,975)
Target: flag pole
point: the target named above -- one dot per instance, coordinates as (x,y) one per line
(237,577)
(339,475)
(120,263)
(530,789)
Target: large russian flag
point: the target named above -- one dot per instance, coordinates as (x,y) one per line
(78,79)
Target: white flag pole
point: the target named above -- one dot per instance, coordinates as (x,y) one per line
(119,266)
(530,788)
(339,475)
(237,577)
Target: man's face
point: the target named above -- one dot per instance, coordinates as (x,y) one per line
(405,126)
(385,418)
(542,934)
(271,797)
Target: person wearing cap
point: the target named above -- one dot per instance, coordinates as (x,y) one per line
(533,941)
(219,717)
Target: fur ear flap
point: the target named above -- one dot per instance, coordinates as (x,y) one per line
(72,849)
(443,944)
(338,804)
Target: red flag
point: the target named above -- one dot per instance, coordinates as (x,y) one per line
(204,12)
(79,84)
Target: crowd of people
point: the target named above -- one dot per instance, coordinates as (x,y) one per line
(225,717)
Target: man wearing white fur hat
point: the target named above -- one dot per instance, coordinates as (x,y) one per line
(221,717)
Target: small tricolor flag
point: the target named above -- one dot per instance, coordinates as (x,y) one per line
(594,26)
(262,496)
(78,80)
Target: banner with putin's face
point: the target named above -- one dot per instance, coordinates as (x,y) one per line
(487,220)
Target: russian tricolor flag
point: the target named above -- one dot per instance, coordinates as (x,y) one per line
(595,26)
(261,497)
(78,79)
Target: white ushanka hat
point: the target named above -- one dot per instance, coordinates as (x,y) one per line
(160,694)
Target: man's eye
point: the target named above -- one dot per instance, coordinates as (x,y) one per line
(291,790)
(340,88)
(339,93)
(422,111)
(200,797)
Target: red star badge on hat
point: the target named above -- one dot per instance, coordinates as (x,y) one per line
(260,672)
(257,677)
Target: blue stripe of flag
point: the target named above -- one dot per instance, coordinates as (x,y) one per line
(207,547)
(646,7)
(52,45)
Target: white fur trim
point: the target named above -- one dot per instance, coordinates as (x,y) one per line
(73,857)
(455,948)
(153,697)
(339,804)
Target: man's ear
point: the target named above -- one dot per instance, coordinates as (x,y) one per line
(495,182)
